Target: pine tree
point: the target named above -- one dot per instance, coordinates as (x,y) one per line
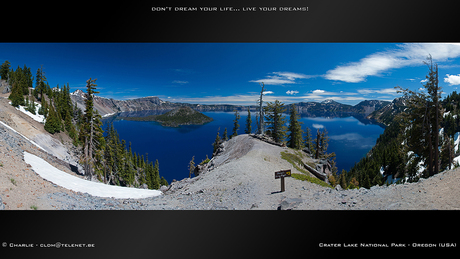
(236,126)
(156,175)
(447,152)
(191,167)
(422,119)
(16,96)
(90,131)
(317,144)
(309,141)
(163,181)
(295,130)
(260,115)
(40,86)
(28,79)
(248,129)
(343,180)
(216,143)
(52,124)
(275,121)
(225,136)
(4,70)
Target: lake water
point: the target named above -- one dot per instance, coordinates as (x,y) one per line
(350,139)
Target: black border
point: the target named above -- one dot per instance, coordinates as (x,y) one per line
(325,21)
(136,234)
(232,233)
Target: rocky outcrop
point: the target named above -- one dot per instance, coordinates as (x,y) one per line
(4,86)
(267,139)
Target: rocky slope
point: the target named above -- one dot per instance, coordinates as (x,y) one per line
(386,113)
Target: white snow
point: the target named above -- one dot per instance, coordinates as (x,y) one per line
(108,114)
(37,117)
(52,174)
(456,141)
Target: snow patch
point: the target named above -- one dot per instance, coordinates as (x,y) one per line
(108,114)
(56,176)
(456,141)
(36,117)
(382,171)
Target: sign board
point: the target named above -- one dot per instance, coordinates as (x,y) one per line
(283,173)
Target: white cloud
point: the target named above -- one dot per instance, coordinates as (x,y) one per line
(318,126)
(378,91)
(318,91)
(180,82)
(452,79)
(268,92)
(292,92)
(281,78)
(409,54)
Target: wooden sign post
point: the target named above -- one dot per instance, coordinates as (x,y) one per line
(281,174)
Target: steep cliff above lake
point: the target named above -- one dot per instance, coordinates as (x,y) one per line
(177,117)
(327,108)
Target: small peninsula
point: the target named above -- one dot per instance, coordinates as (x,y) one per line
(180,116)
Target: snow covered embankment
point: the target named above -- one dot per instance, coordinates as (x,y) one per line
(56,176)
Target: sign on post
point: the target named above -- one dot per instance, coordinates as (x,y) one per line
(281,174)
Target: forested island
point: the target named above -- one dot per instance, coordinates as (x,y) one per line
(175,118)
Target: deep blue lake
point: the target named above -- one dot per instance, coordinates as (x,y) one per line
(350,139)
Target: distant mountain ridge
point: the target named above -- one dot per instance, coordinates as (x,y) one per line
(386,114)
(330,108)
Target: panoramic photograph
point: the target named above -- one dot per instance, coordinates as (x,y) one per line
(229,126)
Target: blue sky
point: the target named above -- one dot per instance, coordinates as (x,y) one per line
(213,73)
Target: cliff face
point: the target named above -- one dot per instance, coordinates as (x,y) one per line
(334,109)
(386,114)
(331,108)
(107,106)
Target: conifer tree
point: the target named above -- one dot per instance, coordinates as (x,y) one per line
(191,167)
(216,143)
(275,121)
(52,124)
(16,96)
(236,126)
(225,136)
(40,86)
(248,129)
(90,131)
(295,130)
(5,69)
(28,79)
(422,119)
(163,181)
(260,115)
(309,141)
(157,180)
